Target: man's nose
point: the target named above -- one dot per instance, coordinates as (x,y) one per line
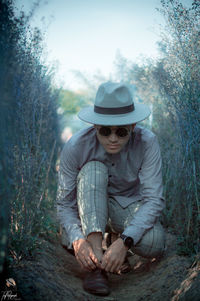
(113,137)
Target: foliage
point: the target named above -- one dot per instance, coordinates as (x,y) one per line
(172,86)
(28,131)
(177,76)
(71,102)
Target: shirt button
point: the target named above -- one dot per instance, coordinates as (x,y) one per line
(110,176)
(113,164)
(108,185)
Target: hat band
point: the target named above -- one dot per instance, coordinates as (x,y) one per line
(113,111)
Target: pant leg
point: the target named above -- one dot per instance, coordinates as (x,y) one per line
(92,197)
(152,243)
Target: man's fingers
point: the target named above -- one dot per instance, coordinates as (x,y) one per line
(94,258)
(107,262)
(104,261)
(109,265)
(114,267)
(103,264)
(91,264)
(85,255)
(81,263)
(86,262)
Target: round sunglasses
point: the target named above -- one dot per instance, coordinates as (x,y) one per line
(120,131)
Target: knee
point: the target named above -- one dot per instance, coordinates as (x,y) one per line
(152,243)
(93,170)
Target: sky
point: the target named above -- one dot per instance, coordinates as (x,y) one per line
(86,35)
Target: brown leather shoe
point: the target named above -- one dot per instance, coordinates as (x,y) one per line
(96,283)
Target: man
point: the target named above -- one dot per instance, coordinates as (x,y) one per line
(110,180)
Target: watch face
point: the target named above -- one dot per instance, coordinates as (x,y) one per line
(128,242)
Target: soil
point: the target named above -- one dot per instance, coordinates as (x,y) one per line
(54,275)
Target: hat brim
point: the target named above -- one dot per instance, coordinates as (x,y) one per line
(140,113)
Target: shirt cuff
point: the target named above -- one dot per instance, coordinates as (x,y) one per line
(135,232)
(72,235)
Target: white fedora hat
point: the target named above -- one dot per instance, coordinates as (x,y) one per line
(114,106)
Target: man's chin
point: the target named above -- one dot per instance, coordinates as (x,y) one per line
(113,151)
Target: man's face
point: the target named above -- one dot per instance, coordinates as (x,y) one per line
(113,142)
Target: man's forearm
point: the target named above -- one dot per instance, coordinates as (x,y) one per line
(144,218)
(67,215)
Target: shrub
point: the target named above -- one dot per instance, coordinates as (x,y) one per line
(29,131)
(177,76)
(172,86)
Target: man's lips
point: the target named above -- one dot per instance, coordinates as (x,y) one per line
(113,146)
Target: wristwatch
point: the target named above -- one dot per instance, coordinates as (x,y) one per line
(128,241)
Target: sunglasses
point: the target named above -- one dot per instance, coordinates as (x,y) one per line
(120,131)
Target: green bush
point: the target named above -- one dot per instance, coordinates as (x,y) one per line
(28,131)
(171,85)
(177,77)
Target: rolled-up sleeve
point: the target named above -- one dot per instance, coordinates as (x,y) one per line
(67,211)
(151,189)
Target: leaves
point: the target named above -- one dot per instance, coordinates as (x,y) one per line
(172,86)
(28,132)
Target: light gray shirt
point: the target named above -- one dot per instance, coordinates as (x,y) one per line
(136,175)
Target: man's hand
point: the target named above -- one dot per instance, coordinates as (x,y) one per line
(114,256)
(85,255)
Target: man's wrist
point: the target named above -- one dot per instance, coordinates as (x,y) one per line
(78,241)
(122,244)
(127,240)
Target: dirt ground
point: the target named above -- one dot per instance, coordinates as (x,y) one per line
(54,275)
